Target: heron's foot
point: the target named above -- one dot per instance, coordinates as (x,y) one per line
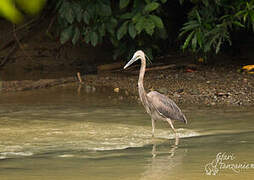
(172,151)
(154,150)
(175,144)
(176,141)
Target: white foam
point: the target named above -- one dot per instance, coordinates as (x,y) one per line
(3,157)
(88,136)
(13,154)
(66,155)
(133,137)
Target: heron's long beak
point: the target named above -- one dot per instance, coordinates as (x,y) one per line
(130,62)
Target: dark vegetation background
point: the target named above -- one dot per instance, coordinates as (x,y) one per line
(202,26)
(80,34)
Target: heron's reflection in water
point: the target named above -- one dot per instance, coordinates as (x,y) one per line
(164,162)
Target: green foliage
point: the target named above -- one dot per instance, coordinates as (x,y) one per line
(9,9)
(127,24)
(210,24)
(151,7)
(66,34)
(123,3)
(133,24)
(246,14)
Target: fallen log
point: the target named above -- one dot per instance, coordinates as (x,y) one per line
(156,68)
(10,86)
(109,67)
(161,67)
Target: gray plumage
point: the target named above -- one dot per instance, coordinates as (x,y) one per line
(165,106)
(157,105)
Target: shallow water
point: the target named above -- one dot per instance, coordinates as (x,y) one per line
(70,133)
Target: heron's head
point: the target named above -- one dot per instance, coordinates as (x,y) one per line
(137,55)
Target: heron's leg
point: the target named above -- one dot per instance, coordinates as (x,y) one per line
(176,135)
(153,127)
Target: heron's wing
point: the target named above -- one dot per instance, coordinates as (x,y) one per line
(165,106)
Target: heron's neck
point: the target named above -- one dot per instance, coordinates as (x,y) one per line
(142,92)
(142,74)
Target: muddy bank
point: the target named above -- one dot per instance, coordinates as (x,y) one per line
(203,86)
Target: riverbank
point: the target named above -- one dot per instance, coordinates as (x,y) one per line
(202,85)
(197,85)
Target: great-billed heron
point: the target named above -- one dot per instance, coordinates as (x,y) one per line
(157,105)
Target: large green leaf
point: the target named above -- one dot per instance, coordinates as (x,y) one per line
(187,41)
(62,8)
(157,21)
(151,6)
(92,9)
(104,10)
(86,17)
(69,15)
(200,42)
(149,26)
(78,11)
(132,30)
(94,38)
(140,24)
(218,46)
(126,16)
(190,25)
(252,16)
(194,42)
(111,25)
(123,3)
(66,34)
(76,35)
(136,17)
(122,30)
(113,22)
(238,23)
(198,17)
(102,29)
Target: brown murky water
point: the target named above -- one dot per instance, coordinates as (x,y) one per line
(60,133)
